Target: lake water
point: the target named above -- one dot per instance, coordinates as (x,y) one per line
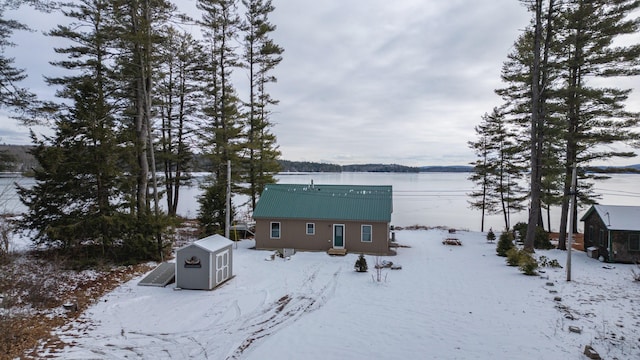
(430,199)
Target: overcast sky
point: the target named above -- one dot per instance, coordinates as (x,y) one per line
(366,81)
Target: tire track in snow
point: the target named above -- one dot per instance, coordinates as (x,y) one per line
(229,335)
(286,310)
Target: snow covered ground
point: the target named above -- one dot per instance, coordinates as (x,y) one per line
(447,302)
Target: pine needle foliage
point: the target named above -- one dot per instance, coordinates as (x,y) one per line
(505,243)
(361,264)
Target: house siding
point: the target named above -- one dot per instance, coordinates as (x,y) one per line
(293,235)
(616,242)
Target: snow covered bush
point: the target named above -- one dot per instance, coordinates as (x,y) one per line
(504,243)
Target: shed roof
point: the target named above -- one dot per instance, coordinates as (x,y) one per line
(325,202)
(617,217)
(212,243)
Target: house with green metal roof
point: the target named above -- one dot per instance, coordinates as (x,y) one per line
(332,218)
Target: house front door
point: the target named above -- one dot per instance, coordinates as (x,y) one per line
(338,236)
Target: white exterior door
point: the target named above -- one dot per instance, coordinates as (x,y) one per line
(222,266)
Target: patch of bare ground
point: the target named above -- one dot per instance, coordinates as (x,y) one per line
(39,293)
(577,242)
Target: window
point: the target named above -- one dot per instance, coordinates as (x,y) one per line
(366,233)
(601,238)
(275,230)
(634,242)
(311,228)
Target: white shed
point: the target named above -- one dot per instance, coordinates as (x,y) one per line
(204,264)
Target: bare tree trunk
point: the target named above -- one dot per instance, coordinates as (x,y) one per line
(141,121)
(539,80)
(572,129)
(536,122)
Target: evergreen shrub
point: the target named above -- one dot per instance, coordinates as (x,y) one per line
(523,259)
(528,264)
(504,243)
(513,256)
(544,261)
(491,236)
(541,240)
(361,264)
(520,231)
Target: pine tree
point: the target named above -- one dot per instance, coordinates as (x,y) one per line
(505,243)
(11,94)
(491,236)
(497,169)
(516,73)
(77,194)
(178,93)
(221,131)
(83,189)
(532,107)
(542,37)
(361,264)
(261,56)
(138,24)
(483,170)
(596,114)
(567,47)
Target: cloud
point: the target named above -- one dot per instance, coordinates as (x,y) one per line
(401,82)
(373,81)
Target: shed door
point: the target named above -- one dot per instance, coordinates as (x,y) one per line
(338,236)
(222,266)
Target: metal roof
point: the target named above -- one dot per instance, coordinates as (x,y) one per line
(325,202)
(617,217)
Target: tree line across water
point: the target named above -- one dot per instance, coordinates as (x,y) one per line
(18,159)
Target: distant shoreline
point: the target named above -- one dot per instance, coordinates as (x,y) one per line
(25,162)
